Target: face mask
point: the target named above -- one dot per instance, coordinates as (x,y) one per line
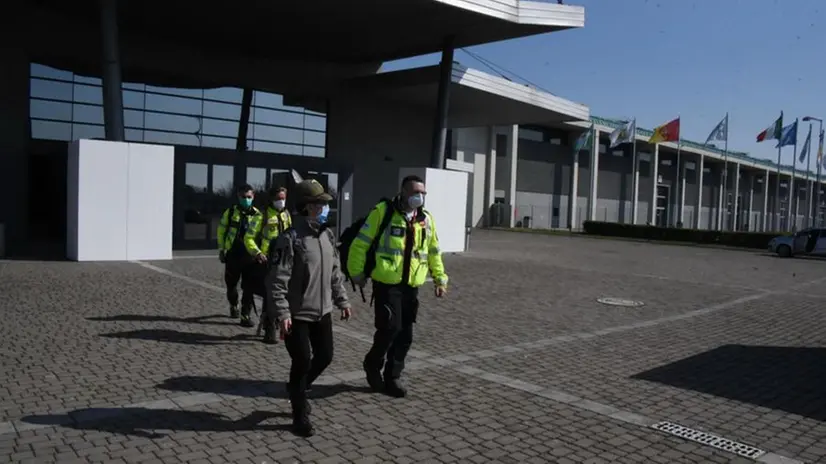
(415,200)
(322,216)
(278,204)
(246,202)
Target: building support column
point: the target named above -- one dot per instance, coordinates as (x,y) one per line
(437,157)
(14,149)
(751,202)
(513,162)
(698,220)
(490,177)
(766,202)
(635,185)
(720,189)
(681,207)
(244,121)
(574,195)
(809,189)
(112,82)
(735,198)
(655,182)
(592,196)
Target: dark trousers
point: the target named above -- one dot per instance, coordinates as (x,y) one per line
(310,345)
(396,308)
(238,269)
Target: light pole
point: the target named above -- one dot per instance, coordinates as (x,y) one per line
(819,167)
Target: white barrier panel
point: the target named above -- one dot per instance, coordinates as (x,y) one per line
(119,201)
(447,202)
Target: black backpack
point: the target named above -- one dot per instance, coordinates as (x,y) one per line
(349,235)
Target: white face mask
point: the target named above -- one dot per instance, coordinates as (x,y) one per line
(416,200)
(278,204)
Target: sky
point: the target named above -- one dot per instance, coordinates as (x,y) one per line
(697,59)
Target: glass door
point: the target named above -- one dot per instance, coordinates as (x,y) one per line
(207,192)
(662,205)
(262,179)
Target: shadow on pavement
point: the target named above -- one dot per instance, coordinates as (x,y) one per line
(249,387)
(175,336)
(788,379)
(154,318)
(147,423)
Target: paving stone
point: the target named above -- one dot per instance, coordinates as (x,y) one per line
(114,362)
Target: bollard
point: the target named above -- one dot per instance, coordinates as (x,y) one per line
(467,238)
(2,240)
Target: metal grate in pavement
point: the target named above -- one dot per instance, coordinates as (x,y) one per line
(709,439)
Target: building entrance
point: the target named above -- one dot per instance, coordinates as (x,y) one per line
(205,183)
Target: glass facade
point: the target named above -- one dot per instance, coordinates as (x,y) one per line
(66,106)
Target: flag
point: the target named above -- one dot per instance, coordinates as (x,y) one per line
(820,147)
(668,132)
(804,152)
(583,142)
(788,136)
(720,131)
(773,131)
(624,134)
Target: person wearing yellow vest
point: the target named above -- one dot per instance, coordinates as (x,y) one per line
(232,252)
(406,252)
(262,231)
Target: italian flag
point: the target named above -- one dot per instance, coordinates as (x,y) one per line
(773,131)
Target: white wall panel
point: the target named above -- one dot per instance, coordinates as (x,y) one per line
(119,202)
(151,184)
(447,202)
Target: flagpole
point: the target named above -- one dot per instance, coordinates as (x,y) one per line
(776,211)
(679,220)
(819,166)
(725,175)
(636,175)
(808,184)
(792,185)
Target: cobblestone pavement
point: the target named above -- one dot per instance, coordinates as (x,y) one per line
(136,362)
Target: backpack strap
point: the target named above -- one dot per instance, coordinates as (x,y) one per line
(385,221)
(279,245)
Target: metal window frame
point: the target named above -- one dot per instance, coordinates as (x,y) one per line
(201,117)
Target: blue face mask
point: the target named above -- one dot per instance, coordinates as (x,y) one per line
(245,202)
(322,216)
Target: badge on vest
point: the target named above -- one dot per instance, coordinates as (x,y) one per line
(397,231)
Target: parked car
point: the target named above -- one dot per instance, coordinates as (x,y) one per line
(810,241)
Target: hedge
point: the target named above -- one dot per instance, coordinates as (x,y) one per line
(759,240)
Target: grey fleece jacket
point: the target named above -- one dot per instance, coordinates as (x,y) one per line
(305,279)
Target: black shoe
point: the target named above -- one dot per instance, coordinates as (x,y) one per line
(301,419)
(246,321)
(373,377)
(233,311)
(270,337)
(395,388)
(303,428)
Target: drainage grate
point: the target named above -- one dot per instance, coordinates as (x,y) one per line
(610,301)
(708,439)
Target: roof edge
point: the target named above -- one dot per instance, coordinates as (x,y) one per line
(525,12)
(528,95)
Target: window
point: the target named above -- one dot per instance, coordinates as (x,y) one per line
(66,106)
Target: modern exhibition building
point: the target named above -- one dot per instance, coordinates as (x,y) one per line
(126,125)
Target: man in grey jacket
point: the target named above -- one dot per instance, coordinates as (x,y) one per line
(304,284)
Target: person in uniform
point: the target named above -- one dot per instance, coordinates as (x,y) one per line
(408,249)
(232,252)
(262,231)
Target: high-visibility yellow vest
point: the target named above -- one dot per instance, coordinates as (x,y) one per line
(264,228)
(390,254)
(232,220)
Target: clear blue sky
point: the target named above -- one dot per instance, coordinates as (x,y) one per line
(657,59)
